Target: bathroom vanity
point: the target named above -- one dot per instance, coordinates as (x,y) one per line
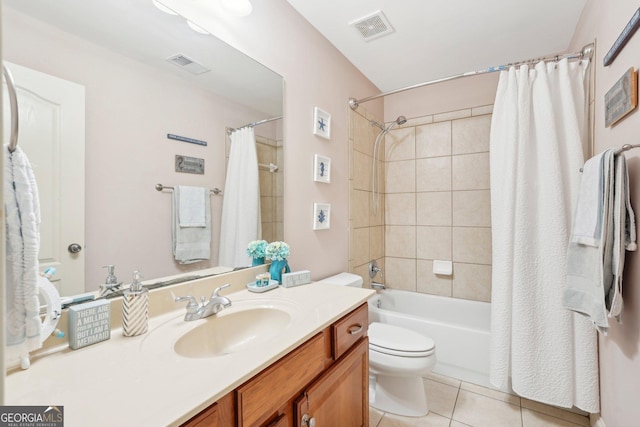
(272,358)
(323,381)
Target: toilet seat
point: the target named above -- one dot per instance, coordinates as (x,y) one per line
(397,341)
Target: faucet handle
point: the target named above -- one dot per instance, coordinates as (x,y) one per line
(192,306)
(218,289)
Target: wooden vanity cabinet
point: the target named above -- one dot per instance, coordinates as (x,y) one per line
(325,378)
(220,414)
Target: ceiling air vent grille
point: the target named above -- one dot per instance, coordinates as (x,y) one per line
(188,64)
(372,26)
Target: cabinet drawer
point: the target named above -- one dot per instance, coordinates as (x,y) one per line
(263,395)
(346,331)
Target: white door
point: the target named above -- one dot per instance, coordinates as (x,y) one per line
(52,134)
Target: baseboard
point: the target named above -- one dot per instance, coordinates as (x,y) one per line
(596,420)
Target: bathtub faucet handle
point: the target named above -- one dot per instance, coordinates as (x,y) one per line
(374,269)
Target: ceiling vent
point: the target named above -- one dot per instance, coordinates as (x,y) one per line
(372,26)
(188,64)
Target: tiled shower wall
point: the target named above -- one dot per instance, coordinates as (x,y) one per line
(366,230)
(437,203)
(271,188)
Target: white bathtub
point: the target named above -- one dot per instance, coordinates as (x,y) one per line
(460,329)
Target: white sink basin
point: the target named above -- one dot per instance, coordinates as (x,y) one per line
(246,325)
(233,332)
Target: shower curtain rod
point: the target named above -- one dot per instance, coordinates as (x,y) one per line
(255,123)
(586,52)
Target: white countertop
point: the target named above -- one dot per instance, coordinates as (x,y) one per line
(141,381)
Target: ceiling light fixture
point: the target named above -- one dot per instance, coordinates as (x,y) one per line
(162,7)
(237,7)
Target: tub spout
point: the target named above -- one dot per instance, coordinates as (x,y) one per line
(377,286)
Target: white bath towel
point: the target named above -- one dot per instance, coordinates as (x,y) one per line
(624,236)
(594,285)
(190,244)
(587,270)
(22,209)
(192,209)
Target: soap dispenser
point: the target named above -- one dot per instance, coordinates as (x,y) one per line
(135,308)
(110,284)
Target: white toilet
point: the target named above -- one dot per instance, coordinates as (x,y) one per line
(398,358)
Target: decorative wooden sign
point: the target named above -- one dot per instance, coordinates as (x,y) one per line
(188,164)
(89,323)
(622,98)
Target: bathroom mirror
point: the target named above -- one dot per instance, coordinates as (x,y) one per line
(119,53)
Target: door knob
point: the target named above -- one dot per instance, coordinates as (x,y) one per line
(74,248)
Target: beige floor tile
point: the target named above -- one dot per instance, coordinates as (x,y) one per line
(455,423)
(555,412)
(431,420)
(537,419)
(482,411)
(495,394)
(443,379)
(441,398)
(374,417)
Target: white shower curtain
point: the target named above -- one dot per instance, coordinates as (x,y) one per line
(547,353)
(240,222)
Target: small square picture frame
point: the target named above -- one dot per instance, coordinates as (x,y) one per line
(321,216)
(321,123)
(321,169)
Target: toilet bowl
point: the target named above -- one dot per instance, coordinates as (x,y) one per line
(398,358)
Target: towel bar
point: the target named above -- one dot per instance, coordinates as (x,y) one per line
(161,187)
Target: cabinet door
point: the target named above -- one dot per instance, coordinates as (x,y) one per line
(340,397)
(220,414)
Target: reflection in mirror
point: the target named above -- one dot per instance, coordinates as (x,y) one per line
(117,97)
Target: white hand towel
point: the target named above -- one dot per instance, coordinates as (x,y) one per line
(191,201)
(588,218)
(190,244)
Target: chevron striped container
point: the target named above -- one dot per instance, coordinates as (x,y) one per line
(135,309)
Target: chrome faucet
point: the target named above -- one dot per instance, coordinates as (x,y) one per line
(214,306)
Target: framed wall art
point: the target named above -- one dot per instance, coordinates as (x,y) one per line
(321,216)
(321,169)
(321,123)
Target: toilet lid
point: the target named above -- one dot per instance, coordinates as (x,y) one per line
(398,341)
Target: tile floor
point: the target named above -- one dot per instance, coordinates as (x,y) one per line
(454,403)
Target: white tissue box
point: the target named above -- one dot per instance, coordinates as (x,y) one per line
(296,278)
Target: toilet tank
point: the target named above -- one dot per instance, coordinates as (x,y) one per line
(344,279)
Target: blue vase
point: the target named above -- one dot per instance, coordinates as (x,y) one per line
(257,261)
(277,268)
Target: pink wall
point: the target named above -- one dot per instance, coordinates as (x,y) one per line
(620,349)
(127,152)
(442,97)
(315,74)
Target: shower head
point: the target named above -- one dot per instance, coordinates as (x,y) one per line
(399,121)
